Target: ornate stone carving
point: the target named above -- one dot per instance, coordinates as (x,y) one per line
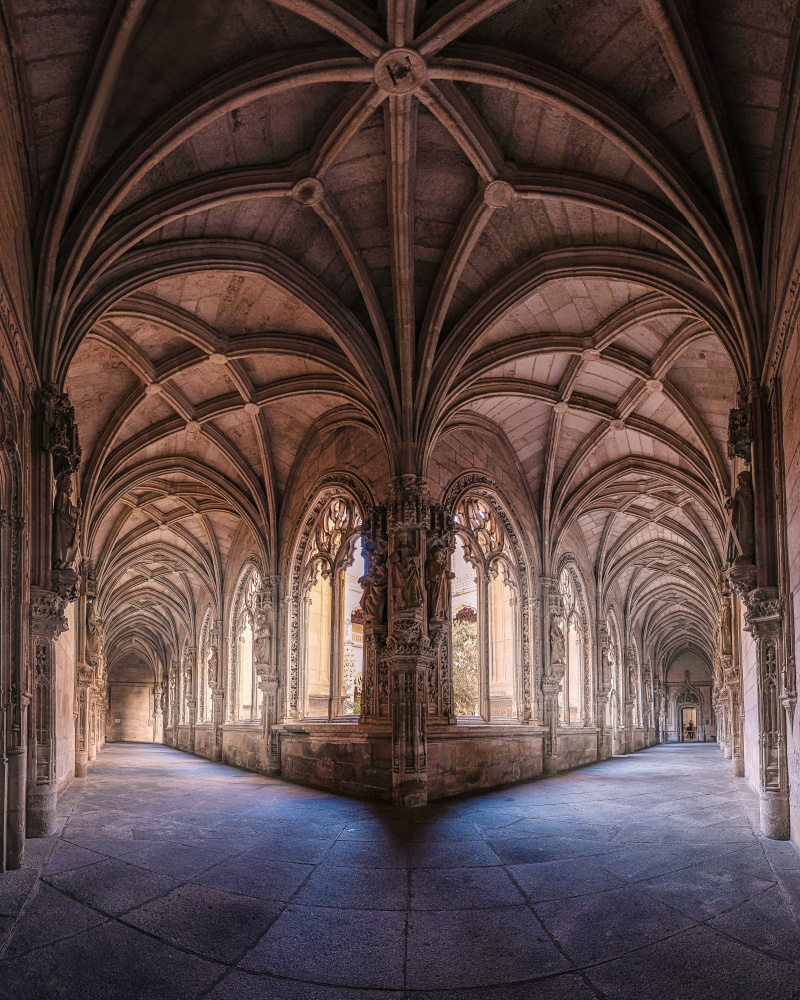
(47,613)
(741,541)
(374,582)
(404,561)
(94,634)
(740,430)
(437,578)
(556,642)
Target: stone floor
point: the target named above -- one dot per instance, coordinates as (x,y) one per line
(173,877)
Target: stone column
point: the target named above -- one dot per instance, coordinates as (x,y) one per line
(764,621)
(554,665)
(92,740)
(85,675)
(190,699)
(215,682)
(47,622)
(375,582)
(408,655)
(438,576)
(603,690)
(15,711)
(264,659)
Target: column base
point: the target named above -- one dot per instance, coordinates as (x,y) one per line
(81,765)
(411,794)
(40,819)
(15,818)
(726,752)
(550,764)
(774,815)
(737,766)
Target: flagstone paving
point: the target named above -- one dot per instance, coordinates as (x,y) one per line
(174,877)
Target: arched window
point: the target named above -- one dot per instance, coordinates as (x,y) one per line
(331,620)
(571,698)
(245,682)
(485,614)
(204,688)
(464,592)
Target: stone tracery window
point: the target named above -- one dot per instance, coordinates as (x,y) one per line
(332,627)
(244,685)
(205,701)
(485,614)
(571,698)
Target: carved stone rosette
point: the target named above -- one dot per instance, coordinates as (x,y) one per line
(764,621)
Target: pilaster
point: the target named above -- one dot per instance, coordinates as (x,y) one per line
(47,622)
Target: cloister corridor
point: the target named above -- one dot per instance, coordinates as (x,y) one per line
(172,876)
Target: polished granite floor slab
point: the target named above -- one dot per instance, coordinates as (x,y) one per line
(173,877)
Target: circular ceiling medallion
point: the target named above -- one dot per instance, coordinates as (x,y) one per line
(561,407)
(251,408)
(217,359)
(400,71)
(152,389)
(308,191)
(498,194)
(653,385)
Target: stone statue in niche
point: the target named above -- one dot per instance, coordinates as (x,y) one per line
(742,510)
(261,643)
(437,577)
(556,640)
(726,634)
(405,562)
(93,633)
(632,678)
(605,663)
(66,524)
(374,583)
(213,666)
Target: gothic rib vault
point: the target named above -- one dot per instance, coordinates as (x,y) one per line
(517,250)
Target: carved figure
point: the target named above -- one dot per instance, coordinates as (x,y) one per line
(261,643)
(556,641)
(213,666)
(66,524)
(743,522)
(405,561)
(605,662)
(437,577)
(93,633)
(374,583)
(726,639)
(632,678)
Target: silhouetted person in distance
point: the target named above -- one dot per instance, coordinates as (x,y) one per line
(689,730)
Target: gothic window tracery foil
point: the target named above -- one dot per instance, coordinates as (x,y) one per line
(333,518)
(244,679)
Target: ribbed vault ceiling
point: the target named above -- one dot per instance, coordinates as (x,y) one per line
(256,226)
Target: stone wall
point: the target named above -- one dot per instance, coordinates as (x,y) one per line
(790,399)
(131,703)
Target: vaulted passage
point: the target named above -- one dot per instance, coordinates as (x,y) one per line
(172,876)
(399,399)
